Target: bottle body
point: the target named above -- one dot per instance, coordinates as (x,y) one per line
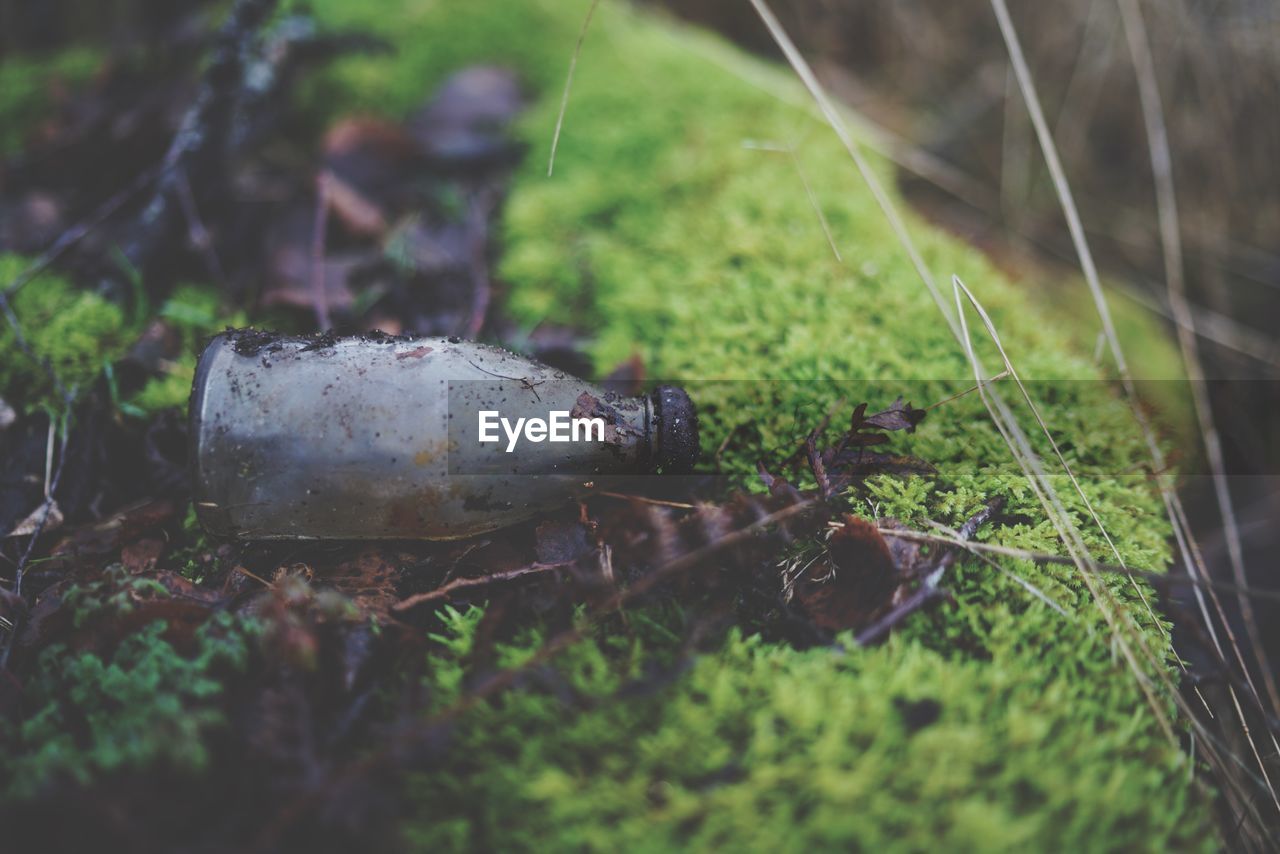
(378,437)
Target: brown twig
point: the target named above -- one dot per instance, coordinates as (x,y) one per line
(644,499)
(968,391)
(446,590)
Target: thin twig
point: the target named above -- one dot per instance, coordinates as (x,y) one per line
(446,590)
(6,647)
(77,232)
(478,244)
(198,235)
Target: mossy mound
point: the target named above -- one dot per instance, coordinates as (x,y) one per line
(997,723)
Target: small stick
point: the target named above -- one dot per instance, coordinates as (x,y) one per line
(446,590)
(196,232)
(970,390)
(643,499)
(816,464)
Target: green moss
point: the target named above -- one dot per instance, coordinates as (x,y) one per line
(76,331)
(193,312)
(771,749)
(143,705)
(665,235)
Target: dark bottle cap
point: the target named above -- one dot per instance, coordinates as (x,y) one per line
(675,434)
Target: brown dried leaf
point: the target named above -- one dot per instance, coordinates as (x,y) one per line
(856,583)
(105,537)
(899,416)
(142,555)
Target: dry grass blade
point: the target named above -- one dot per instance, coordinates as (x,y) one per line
(946,537)
(1222,760)
(999,410)
(833,117)
(790,150)
(1126,636)
(568,84)
(1117,618)
(444,591)
(1171,243)
(1057,452)
(1085,256)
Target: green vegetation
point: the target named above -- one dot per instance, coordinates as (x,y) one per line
(193,312)
(998,723)
(773,749)
(142,705)
(77,332)
(664,234)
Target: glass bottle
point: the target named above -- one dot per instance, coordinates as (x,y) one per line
(378,436)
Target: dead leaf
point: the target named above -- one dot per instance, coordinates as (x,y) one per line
(899,416)
(856,583)
(105,537)
(52,519)
(142,555)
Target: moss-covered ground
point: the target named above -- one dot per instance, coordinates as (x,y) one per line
(996,723)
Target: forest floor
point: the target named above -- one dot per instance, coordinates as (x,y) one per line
(863,624)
